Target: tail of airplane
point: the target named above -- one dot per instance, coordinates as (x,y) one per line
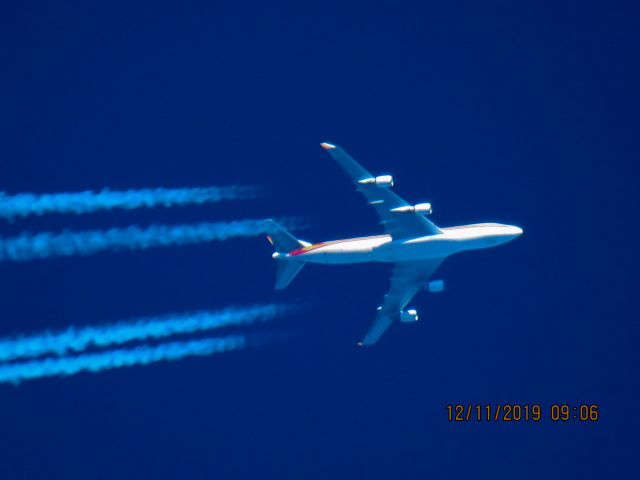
(284,243)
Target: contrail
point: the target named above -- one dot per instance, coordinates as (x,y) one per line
(78,339)
(34,246)
(25,204)
(96,362)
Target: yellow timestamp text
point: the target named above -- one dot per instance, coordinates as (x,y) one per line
(514,412)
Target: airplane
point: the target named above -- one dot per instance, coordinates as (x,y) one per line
(412,243)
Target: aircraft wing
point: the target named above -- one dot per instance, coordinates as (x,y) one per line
(397,224)
(406,280)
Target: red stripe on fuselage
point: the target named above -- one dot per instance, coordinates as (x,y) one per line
(300,251)
(308,248)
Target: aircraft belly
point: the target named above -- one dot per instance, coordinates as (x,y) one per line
(340,252)
(407,251)
(334,257)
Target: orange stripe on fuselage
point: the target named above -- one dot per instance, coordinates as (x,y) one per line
(308,248)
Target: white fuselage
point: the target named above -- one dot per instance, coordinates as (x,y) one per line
(381,248)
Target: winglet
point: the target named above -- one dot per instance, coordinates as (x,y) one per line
(327,146)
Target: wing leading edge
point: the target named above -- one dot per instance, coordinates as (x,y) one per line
(397,224)
(406,280)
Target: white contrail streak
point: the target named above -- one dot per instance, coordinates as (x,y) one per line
(76,339)
(96,362)
(34,246)
(25,204)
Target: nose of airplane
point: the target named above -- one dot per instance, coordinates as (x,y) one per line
(505,233)
(511,233)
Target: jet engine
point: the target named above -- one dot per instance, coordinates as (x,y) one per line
(424,208)
(435,286)
(408,316)
(381,181)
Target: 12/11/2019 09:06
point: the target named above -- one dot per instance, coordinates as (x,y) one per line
(522,412)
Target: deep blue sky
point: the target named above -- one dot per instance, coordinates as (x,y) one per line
(517,112)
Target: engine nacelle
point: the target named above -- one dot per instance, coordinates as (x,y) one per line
(408,316)
(381,181)
(435,286)
(424,208)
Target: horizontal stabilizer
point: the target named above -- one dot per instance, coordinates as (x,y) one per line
(282,240)
(287,270)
